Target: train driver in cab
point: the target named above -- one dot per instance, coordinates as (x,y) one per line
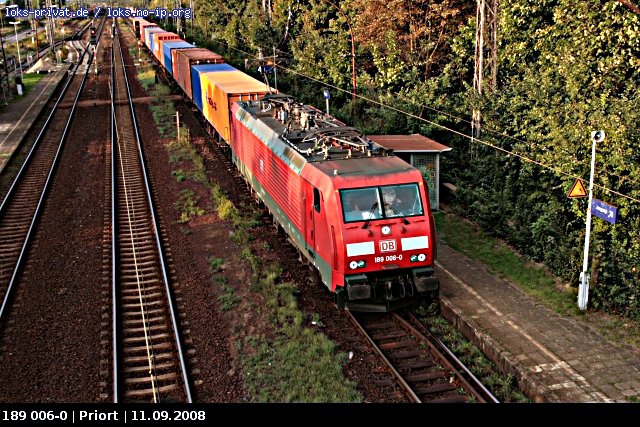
(392,203)
(352,210)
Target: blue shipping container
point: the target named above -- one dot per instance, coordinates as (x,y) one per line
(196,70)
(167,46)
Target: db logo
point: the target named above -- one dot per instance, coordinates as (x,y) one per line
(211,103)
(387,245)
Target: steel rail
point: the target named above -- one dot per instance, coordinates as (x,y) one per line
(114,239)
(131,215)
(387,362)
(45,189)
(434,348)
(158,240)
(420,334)
(476,382)
(58,43)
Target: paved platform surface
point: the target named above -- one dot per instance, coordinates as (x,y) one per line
(554,359)
(18,117)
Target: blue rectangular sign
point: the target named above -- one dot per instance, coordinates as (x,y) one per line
(604,211)
(266,69)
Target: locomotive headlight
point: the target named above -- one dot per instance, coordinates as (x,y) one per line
(386,230)
(418,258)
(357,264)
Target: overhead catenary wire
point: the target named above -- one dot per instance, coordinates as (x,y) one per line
(486,143)
(485,128)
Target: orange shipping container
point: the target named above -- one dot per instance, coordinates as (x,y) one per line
(220,90)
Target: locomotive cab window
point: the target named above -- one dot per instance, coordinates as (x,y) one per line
(360,204)
(401,200)
(391,201)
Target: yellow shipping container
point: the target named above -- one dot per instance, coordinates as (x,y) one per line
(221,89)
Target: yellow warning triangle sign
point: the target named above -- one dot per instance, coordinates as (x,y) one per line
(577,190)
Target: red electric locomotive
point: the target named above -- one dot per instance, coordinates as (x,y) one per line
(355,211)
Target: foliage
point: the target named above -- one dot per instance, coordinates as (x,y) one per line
(215,264)
(187,205)
(179,175)
(573,71)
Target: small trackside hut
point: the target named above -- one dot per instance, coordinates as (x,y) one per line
(420,152)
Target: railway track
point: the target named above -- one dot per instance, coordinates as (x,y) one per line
(424,369)
(148,357)
(24,200)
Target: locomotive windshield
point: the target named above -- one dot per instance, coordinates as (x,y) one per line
(390,201)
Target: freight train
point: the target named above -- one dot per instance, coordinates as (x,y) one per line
(354,211)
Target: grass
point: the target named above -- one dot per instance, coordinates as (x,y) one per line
(506,263)
(162,108)
(30,80)
(188,205)
(146,77)
(180,151)
(300,364)
(215,264)
(227,298)
(179,175)
(533,279)
(198,172)
(304,369)
(163,113)
(616,329)
(266,246)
